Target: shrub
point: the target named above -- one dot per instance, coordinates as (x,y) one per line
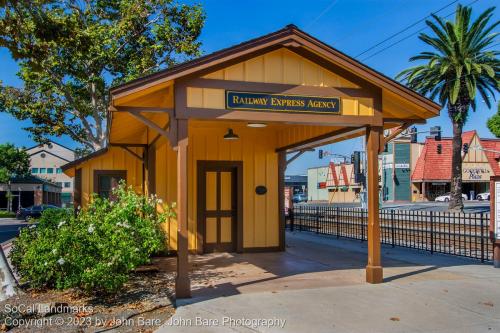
(97,249)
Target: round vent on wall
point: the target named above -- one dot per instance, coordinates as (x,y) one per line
(50,145)
(261,190)
(43,155)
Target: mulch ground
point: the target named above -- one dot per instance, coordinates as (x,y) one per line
(144,304)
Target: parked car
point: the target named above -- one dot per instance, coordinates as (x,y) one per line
(33,211)
(483,196)
(301,197)
(446,197)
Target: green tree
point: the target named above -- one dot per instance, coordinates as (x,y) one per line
(14,162)
(461,65)
(71,52)
(494,123)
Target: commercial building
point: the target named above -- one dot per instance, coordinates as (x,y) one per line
(316,184)
(296,183)
(29,191)
(46,161)
(432,174)
(396,167)
(213,134)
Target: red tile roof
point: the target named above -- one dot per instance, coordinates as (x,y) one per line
(433,166)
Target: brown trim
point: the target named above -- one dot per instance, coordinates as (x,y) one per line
(282,163)
(265,116)
(133,145)
(151,169)
(77,189)
(139,109)
(85,158)
(121,173)
(182,280)
(291,37)
(320,139)
(404,121)
(202,167)
(277,88)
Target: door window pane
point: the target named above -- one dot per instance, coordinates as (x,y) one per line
(107,182)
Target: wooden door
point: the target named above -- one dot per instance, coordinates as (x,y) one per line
(218,205)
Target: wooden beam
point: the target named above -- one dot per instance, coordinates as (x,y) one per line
(151,169)
(282,163)
(320,139)
(139,109)
(396,132)
(149,123)
(297,155)
(290,117)
(140,145)
(374,272)
(404,121)
(182,282)
(131,152)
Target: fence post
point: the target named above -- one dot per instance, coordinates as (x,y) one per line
(290,216)
(392,229)
(337,219)
(317,219)
(432,231)
(300,220)
(482,238)
(362,225)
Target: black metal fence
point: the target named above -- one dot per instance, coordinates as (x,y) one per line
(461,234)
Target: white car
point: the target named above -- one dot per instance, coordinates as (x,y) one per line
(446,197)
(483,196)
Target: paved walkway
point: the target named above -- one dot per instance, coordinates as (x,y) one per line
(317,285)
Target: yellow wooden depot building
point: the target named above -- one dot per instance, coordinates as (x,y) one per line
(213,135)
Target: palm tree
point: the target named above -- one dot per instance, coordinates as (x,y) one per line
(462,64)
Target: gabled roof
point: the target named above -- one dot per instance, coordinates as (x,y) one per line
(48,152)
(50,141)
(289,36)
(433,166)
(79,161)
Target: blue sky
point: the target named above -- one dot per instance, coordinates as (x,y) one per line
(351,26)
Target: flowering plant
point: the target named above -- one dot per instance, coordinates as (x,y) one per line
(95,250)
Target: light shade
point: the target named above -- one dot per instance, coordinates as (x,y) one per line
(230,135)
(257,125)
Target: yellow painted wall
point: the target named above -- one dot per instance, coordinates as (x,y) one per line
(256,149)
(280,66)
(114,159)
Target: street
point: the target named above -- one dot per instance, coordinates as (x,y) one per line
(9,228)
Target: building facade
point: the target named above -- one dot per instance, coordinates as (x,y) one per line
(316,184)
(46,161)
(213,134)
(432,175)
(396,167)
(29,191)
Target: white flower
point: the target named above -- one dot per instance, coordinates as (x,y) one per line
(54,251)
(91,229)
(61,261)
(61,224)
(33,226)
(160,201)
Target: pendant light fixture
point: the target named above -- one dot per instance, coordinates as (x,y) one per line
(230,135)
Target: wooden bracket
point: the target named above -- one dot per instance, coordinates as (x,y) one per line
(396,132)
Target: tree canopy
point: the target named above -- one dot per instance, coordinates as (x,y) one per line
(461,64)
(14,162)
(71,52)
(494,123)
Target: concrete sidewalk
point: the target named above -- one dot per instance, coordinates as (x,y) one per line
(317,285)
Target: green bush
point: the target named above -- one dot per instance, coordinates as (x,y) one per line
(97,249)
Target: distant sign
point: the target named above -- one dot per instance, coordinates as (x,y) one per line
(238,100)
(497,210)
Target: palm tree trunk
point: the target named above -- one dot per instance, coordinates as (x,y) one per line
(456,201)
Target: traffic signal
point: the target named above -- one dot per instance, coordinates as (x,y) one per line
(320,154)
(413,134)
(439,148)
(465,148)
(386,148)
(436,132)
(352,158)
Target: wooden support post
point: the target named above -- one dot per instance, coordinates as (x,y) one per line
(281,197)
(374,268)
(151,169)
(182,282)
